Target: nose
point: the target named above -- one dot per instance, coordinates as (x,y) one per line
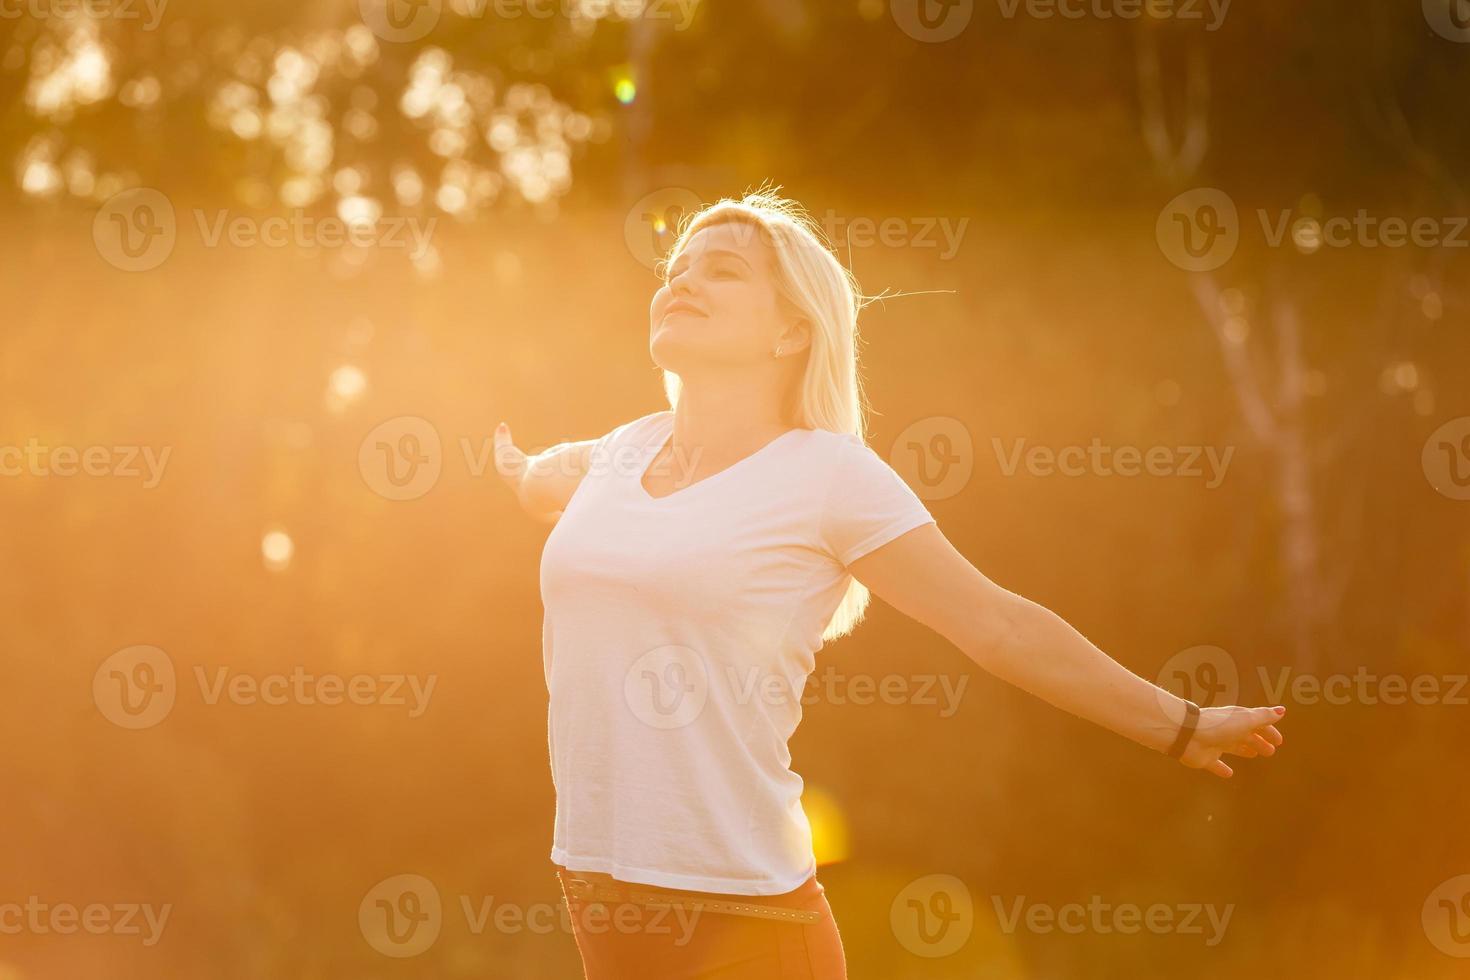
(679,285)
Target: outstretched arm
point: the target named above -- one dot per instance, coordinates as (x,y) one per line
(544,483)
(922,575)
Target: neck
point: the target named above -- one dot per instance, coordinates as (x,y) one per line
(727,419)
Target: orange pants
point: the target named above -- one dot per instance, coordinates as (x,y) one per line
(625,940)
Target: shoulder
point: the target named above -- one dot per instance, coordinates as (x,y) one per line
(856,469)
(635,429)
(840,448)
(832,440)
(844,460)
(648,422)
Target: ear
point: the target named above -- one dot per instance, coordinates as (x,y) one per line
(796,336)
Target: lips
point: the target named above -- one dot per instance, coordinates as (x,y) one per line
(688,309)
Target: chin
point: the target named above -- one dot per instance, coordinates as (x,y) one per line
(674,352)
(669,352)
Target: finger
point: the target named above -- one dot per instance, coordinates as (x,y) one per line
(1243,749)
(1242,721)
(1271,734)
(509,461)
(1266,716)
(1260,744)
(1220,769)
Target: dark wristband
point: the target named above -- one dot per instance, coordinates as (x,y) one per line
(1186,729)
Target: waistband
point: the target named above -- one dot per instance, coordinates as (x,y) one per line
(595,886)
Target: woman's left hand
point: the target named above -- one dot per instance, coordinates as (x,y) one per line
(1246,732)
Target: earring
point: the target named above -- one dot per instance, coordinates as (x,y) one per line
(778,352)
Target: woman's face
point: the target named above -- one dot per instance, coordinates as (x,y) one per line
(719,304)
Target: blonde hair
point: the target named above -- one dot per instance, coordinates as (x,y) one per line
(812,280)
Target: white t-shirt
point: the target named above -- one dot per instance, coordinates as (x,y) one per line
(678,636)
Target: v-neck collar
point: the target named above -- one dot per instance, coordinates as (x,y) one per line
(662,441)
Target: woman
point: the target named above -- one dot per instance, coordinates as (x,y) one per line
(700,559)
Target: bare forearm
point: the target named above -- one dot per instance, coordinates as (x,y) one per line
(924,576)
(1028,645)
(545,484)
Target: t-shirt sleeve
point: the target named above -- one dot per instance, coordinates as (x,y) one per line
(867,505)
(613,450)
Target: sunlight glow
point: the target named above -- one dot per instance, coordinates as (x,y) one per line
(829,825)
(277,549)
(346,385)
